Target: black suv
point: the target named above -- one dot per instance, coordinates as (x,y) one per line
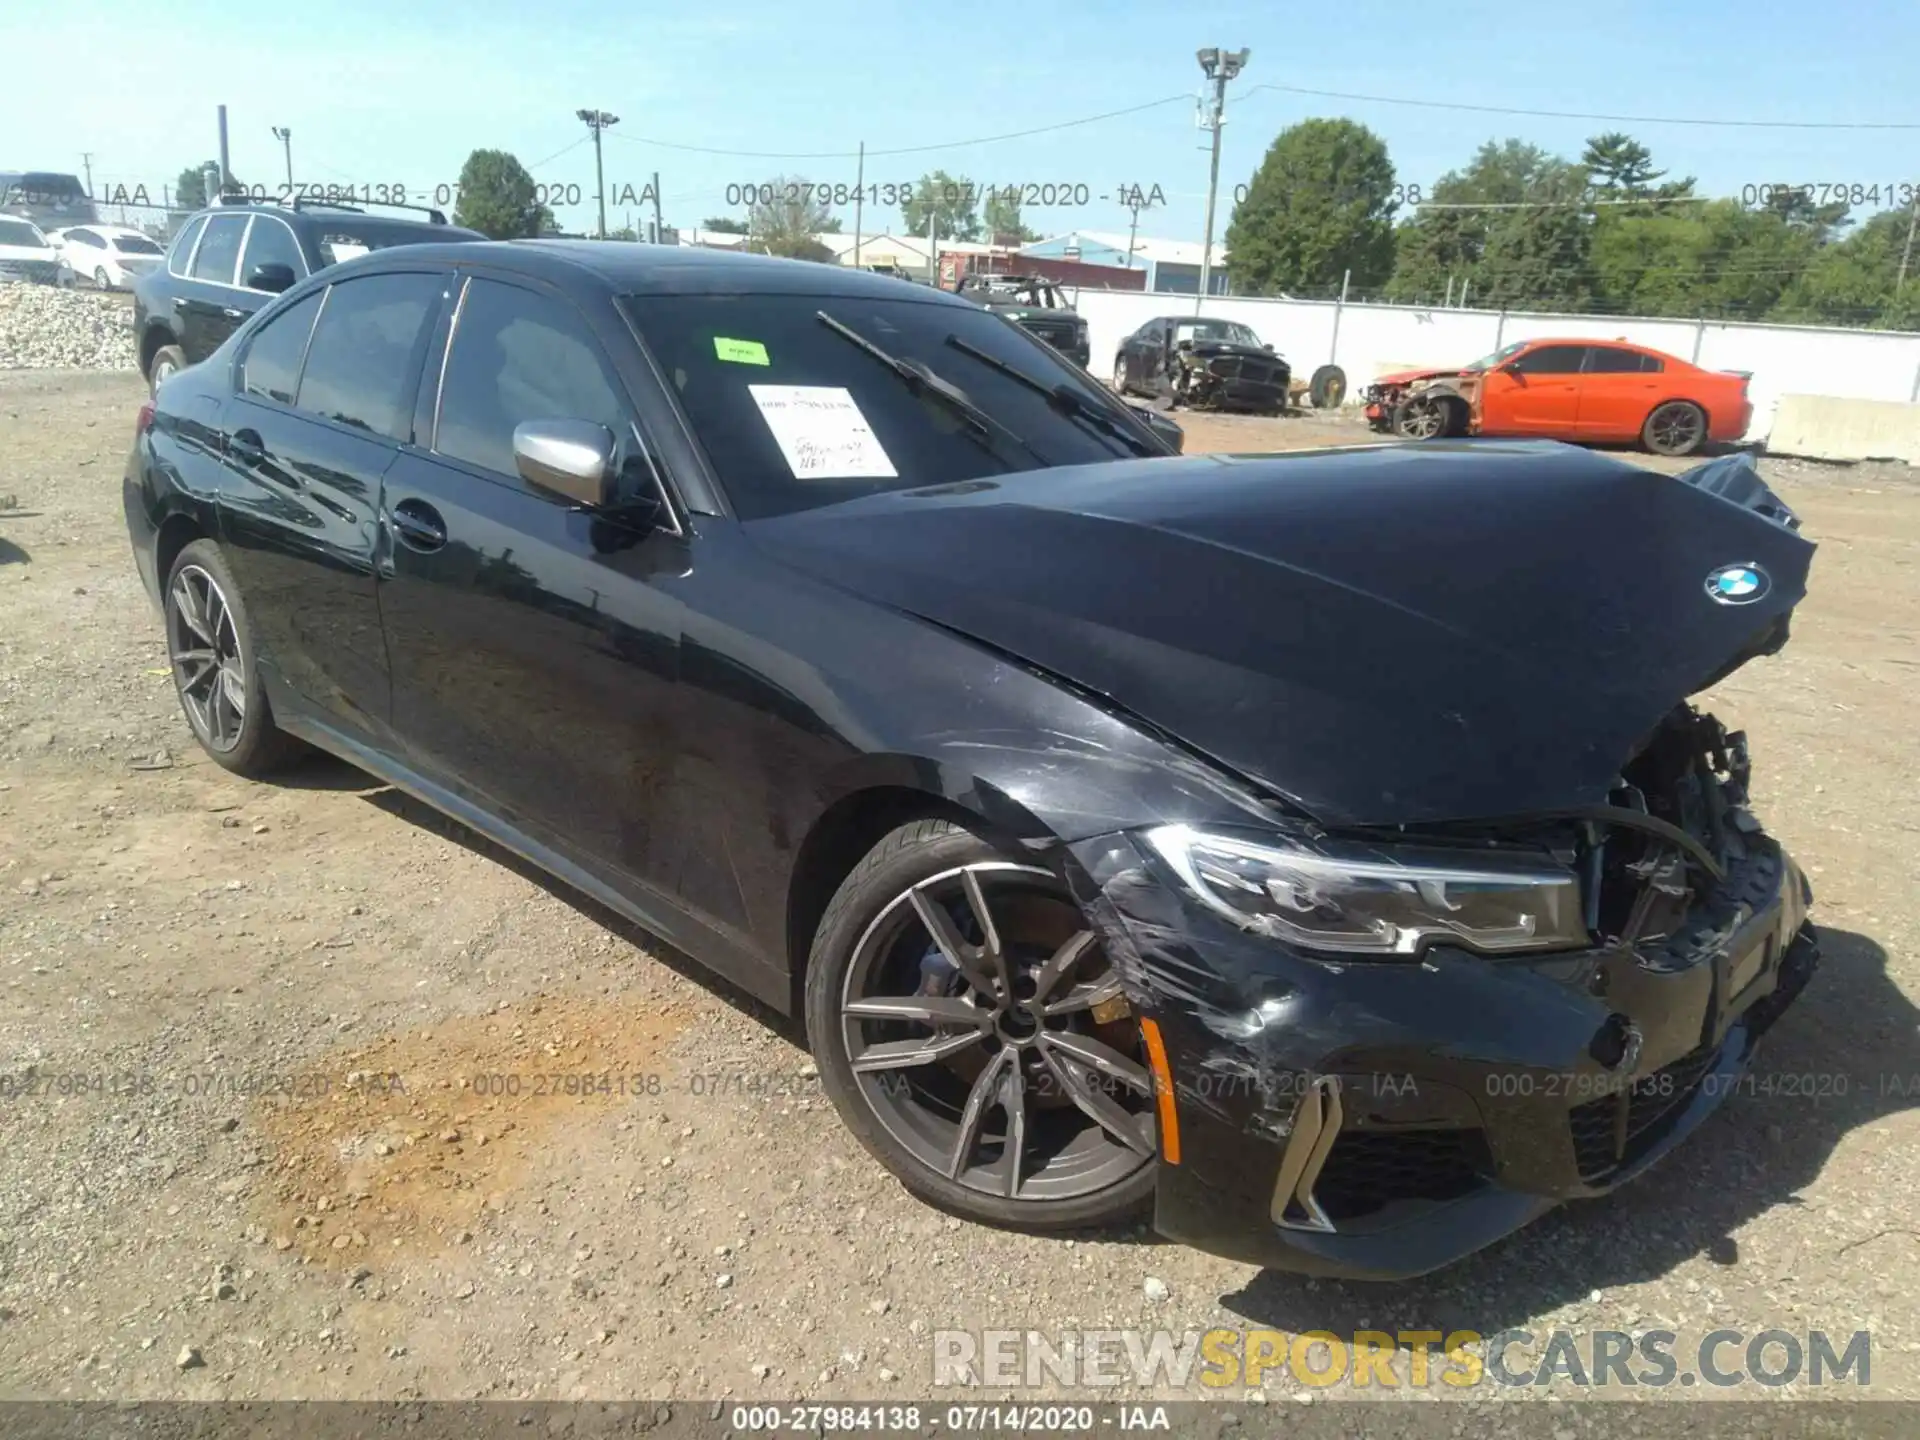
(229,260)
(1035,304)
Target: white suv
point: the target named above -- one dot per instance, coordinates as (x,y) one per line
(27,254)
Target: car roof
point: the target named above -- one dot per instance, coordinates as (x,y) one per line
(634,267)
(328,214)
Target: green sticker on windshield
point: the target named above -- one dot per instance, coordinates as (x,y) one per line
(740,352)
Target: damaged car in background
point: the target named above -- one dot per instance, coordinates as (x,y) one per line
(1036,305)
(1204,363)
(1321,849)
(1600,392)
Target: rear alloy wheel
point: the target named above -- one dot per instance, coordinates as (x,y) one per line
(975,1038)
(1119,374)
(210,650)
(100,280)
(1678,427)
(166,360)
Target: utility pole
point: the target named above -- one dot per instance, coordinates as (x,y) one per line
(284,134)
(86,162)
(933,248)
(226,170)
(598,120)
(859,184)
(1135,205)
(1220,67)
(659,226)
(1906,254)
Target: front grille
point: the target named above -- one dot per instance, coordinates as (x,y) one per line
(1252,372)
(1368,1170)
(1649,1101)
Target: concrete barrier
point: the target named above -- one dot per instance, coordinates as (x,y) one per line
(1831,427)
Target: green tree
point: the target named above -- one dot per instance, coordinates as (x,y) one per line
(1717,259)
(1797,207)
(724,225)
(1320,205)
(190,190)
(1512,226)
(948,201)
(1857,281)
(785,216)
(1001,217)
(498,198)
(1619,164)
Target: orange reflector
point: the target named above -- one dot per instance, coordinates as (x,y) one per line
(1162,1092)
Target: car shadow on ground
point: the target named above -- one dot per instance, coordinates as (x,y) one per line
(12,554)
(416,812)
(1845,1055)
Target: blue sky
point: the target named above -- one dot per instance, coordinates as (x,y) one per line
(392,93)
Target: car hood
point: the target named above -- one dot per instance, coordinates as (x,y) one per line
(1408,377)
(1394,635)
(1208,349)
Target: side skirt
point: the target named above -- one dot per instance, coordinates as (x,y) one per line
(767,983)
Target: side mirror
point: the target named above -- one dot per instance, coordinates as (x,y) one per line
(1167,430)
(569,460)
(272,277)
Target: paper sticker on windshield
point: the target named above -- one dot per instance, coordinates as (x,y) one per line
(822,432)
(740,352)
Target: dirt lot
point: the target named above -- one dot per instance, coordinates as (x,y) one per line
(172,939)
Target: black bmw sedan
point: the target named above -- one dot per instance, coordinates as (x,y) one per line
(1320,849)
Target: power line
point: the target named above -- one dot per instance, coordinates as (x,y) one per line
(906,149)
(1583,115)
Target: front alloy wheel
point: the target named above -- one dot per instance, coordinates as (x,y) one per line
(976,1038)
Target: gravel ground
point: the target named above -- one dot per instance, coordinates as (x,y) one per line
(172,939)
(43,327)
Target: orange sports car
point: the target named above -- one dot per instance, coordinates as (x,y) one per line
(1591,390)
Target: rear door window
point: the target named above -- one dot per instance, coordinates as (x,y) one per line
(272,367)
(219,251)
(364,357)
(183,244)
(1605,360)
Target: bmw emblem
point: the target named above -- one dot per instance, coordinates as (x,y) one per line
(1738,584)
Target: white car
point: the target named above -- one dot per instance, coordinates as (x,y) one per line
(111,256)
(27,254)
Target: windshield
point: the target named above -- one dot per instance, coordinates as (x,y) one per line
(1226,330)
(135,245)
(793,414)
(19,232)
(1498,357)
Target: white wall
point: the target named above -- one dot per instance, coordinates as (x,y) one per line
(1856,364)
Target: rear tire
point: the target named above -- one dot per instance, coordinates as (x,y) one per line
(215,667)
(1328,387)
(995,1053)
(166,361)
(1120,375)
(1678,427)
(100,280)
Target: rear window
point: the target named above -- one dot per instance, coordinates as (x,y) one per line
(344,239)
(135,245)
(794,415)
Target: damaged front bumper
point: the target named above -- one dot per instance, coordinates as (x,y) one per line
(1381,1119)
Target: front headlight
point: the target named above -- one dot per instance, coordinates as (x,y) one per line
(1384,901)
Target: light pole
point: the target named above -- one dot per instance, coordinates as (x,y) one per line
(284,134)
(598,120)
(1220,67)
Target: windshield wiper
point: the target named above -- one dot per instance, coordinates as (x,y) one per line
(921,381)
(1061,397)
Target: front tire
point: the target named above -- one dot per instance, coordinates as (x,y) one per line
(975,1039)
(1120,375)
(100,280)
(215,671)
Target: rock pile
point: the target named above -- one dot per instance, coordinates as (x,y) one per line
(43,327)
